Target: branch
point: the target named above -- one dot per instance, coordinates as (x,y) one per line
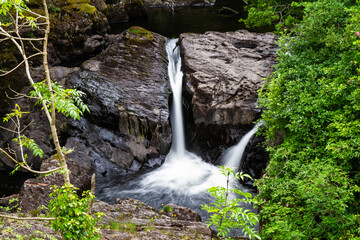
(27,218)
(26,167)
(29,11)
(19,95)
(17,66)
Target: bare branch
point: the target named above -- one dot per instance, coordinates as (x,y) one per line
(8,129)
(27,218)
(17,66)
(26,167)
(31,12)
(24,38)
(19,95)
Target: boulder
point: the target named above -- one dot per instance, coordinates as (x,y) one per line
(127,93)
(127,219)
(35,191)
(222,73)
(72,26)
(34,123)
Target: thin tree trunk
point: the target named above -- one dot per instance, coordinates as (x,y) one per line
(53,110)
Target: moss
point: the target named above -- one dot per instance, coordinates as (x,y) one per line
(87,8)
(83,7)
(138,35)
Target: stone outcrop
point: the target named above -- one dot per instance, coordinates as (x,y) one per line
(34,123)
(127,93)
(131,219)
(35,191)
(223,72)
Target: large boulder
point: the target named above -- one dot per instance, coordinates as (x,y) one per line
(127,93)
(35,191)
(34,123)
(129,219)
(222,73)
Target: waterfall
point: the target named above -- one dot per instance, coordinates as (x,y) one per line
(184,177)
(233,156)
(175,77)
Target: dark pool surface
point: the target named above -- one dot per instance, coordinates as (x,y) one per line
(190,19)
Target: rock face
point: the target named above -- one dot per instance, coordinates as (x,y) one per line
(130,219)
(35,191)
(127,93)
(74,24)
(223,72)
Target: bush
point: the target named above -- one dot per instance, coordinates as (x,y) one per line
(227,212)
(72,217)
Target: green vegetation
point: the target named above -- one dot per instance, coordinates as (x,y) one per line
(138,35)
(72,217)
(227,212)
(312,111)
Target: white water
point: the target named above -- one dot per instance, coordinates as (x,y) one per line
(184,177)
(182,171)
(233,156)
(175,77)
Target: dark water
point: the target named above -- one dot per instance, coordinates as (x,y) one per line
(190,19)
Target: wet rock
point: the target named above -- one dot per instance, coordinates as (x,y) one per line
(127,93)
(135,9)
(77,23)
(35,191)
(116,13)
(181,213)
(34,123)
(129,219)
(144,222)
(94,44)
(222,73)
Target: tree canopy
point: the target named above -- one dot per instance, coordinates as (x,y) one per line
(311,103)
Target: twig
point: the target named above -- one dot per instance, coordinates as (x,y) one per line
(27,218)
(17,66)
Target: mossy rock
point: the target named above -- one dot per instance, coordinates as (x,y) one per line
(135,9)
(82,7)
(138,35)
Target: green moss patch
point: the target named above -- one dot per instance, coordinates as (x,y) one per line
(83,7)
(138,35)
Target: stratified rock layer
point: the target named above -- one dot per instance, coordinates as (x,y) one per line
(223,72)
(127,93)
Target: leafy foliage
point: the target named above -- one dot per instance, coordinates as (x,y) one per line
(6,6)
(311,186)
(282,14)
(66,101)
(72,217)
(30,144)
(227,212)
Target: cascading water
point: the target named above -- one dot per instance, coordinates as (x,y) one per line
(184,177)
(233,156)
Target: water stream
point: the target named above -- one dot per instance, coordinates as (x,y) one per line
(184,177)
(232,156)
